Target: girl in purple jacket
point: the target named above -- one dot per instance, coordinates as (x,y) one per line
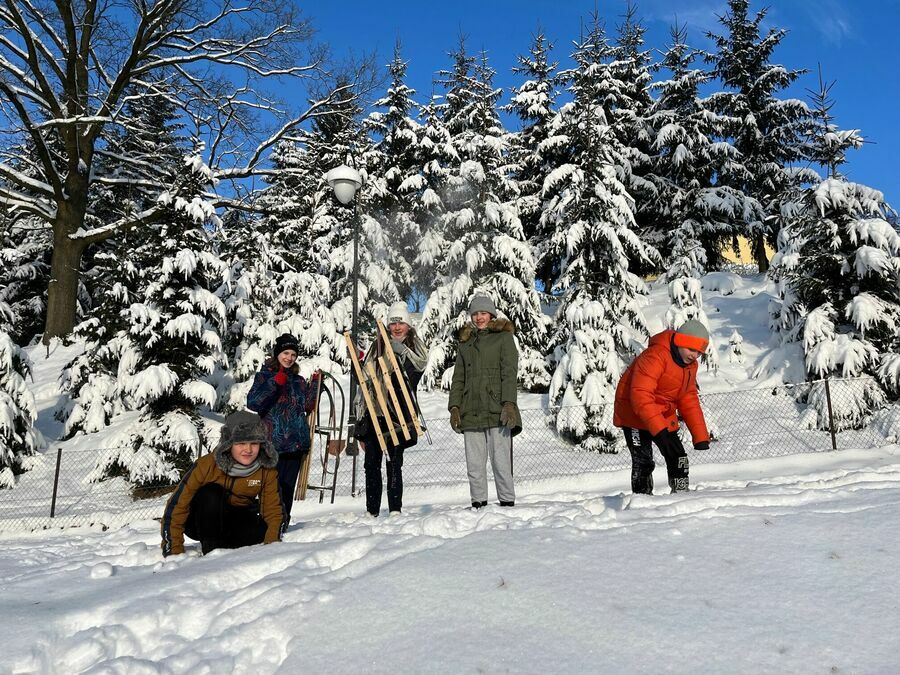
(283,398)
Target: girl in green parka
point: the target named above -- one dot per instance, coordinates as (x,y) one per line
(483,400)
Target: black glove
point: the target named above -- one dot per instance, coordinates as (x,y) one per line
(702,445)
(455,420)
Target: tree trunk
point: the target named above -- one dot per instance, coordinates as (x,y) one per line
(759,252)
(62,291)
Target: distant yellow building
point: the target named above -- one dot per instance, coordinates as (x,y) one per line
(744,254)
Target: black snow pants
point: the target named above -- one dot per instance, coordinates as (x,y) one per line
(393,469)
(288,467)
(217,524)
(639,442)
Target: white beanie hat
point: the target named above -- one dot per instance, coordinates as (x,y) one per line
(398,313)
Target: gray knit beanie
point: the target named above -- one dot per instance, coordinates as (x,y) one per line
(692,335)
(482,303)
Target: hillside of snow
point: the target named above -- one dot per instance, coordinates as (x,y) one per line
(774,564)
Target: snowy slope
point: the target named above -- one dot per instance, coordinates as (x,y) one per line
(778,564)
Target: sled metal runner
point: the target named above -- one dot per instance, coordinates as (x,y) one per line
(327,439)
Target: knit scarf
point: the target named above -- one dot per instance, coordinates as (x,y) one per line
(237,470)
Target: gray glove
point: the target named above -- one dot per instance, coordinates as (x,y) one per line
(399,348)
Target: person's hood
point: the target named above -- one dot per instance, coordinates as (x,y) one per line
(468,331)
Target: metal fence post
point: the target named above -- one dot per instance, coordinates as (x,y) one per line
(830,415)
(56,481)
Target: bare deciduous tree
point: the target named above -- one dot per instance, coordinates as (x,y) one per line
(67,70)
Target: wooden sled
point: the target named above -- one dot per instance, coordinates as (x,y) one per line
(380,395)
(327,440)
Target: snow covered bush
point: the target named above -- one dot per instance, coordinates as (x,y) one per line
(19,440)
(736,347)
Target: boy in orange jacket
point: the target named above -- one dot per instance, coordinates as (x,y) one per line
(661,382)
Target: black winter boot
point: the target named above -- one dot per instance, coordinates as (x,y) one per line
(507,503)
(641,483)
(679,484)
(478,505)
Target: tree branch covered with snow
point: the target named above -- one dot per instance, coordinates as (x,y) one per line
(68,71)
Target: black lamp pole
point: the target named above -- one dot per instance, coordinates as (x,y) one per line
(352,447)
(346,181)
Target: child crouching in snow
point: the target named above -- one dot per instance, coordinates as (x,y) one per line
(228,498)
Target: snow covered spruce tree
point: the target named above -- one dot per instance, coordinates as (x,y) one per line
(67,68)
(627,102)
(19,440)
(276,281)
(394,171)
(838,267)
(531,156)
(437,157)
(338,138)
(590,212)
(247,294)
(24,273)
(766,131)
(175,331)
(483,242)
(694,214)
(25,248)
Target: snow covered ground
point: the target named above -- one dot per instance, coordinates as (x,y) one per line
(772,564)
(776,565)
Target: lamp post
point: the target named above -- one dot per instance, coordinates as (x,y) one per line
(345,181)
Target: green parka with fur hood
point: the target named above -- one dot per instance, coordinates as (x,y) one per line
(242,491)
(484,378)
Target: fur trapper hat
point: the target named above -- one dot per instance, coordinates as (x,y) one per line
(245,427)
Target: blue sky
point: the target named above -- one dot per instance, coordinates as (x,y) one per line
(855,41)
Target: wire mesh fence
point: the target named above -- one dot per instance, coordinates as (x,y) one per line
(756,423)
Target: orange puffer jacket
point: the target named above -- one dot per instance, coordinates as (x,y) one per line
(654,386)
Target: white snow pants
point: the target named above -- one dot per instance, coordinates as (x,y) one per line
(496,443)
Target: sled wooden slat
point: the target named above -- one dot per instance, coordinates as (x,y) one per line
(370,404)
(379,395)
(303,482)
(389,385)
(410,406)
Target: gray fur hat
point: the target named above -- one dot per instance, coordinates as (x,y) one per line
(482,303)
(246,427)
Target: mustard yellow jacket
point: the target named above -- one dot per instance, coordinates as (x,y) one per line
(262,485)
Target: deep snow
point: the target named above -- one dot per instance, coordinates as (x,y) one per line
(779,564)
